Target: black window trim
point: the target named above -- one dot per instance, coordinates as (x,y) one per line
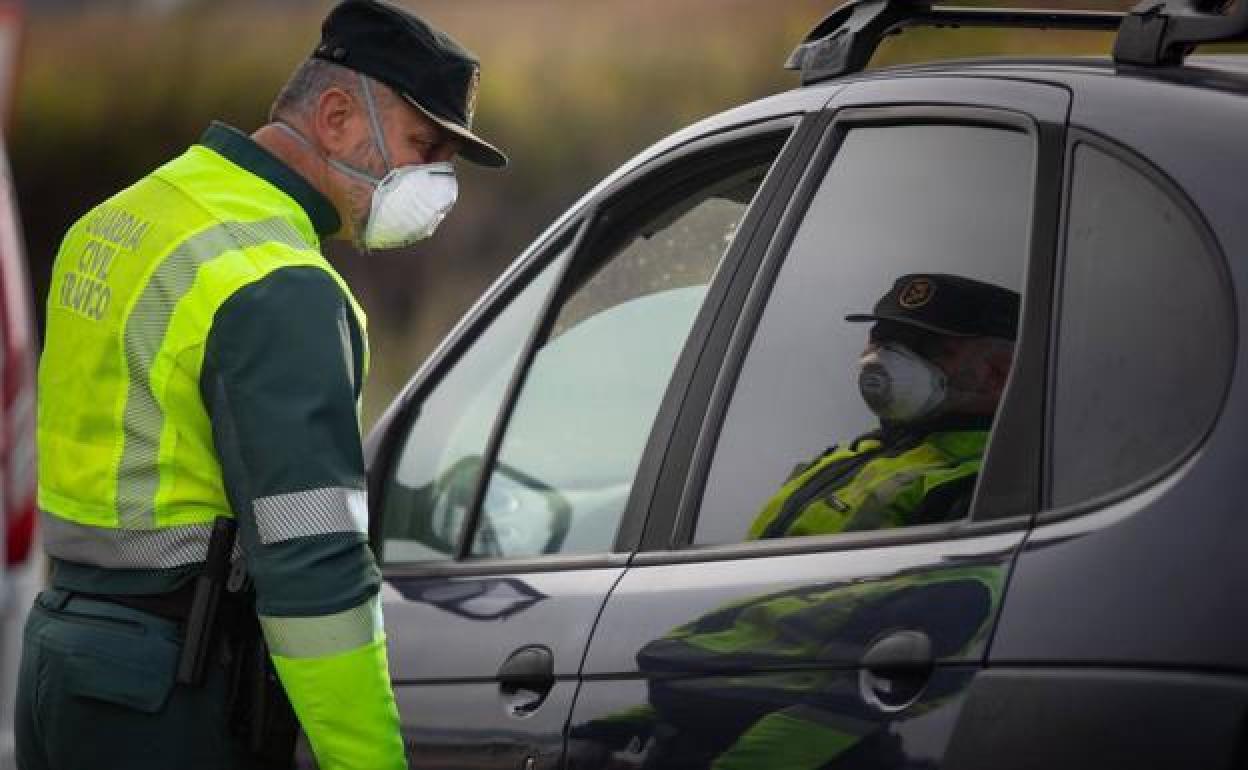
(1174,192)
(478,566)
(618,205)
(845,541)
(669,538)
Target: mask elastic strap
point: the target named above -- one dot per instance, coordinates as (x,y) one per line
(363,176)
(299,137)
(378,137)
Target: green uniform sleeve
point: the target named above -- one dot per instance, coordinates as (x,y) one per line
(281,376)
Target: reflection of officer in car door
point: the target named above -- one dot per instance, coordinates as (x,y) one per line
(758,684)
(933,370)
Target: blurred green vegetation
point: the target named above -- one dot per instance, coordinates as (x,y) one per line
(570,89)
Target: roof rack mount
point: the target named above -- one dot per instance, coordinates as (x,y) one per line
(1154,33)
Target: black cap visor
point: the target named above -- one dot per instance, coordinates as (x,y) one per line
(475,149)
(908,321)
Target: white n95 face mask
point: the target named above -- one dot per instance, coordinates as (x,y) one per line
(899,385)
(409,204)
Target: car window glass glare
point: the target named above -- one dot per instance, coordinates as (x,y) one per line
(896,200)
(571,449)
(426,498)
(1146,333)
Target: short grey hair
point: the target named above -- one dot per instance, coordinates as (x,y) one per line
(297,99)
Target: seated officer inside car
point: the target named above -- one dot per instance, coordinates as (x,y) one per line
(933,370)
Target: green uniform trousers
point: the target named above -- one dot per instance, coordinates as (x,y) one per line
(96,690)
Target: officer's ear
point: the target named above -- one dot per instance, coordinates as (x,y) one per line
(337,121)
(998,358)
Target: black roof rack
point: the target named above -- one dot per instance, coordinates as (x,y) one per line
(1155,32)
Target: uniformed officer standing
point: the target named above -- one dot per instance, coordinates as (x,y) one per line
(202,366)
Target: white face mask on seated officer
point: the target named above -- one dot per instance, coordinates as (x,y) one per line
(899,385)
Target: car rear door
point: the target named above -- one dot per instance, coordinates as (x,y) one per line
(1123,632)
(850,649)
(503,480)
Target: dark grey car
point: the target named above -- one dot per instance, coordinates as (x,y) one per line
(562,494)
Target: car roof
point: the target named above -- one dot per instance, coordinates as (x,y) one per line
(1225,72)
(1196,69)
(1231,63)
(1219,72)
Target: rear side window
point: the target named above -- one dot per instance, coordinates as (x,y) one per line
(1146,334)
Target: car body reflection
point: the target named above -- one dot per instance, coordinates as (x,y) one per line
(770,681)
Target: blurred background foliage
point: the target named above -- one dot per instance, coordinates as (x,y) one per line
(570,88)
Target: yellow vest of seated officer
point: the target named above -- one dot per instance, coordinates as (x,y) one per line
(868,486)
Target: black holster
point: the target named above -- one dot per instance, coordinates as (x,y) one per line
(258,710)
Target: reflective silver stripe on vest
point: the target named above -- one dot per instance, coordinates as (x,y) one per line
(313,512)
(138,476)
(125,548)
(323,635)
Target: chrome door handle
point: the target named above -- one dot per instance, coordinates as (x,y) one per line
(895,670)
(526,678)
(528,668)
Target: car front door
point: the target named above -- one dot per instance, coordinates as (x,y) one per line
(502,482)
(724,647)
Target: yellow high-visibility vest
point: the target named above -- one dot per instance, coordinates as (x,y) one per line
(128,474)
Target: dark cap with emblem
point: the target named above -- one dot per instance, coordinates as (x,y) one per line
(948,304)
(426,67)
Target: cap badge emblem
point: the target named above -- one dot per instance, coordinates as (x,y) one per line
(916,294)
(474,87)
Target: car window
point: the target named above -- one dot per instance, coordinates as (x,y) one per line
(426,496)
(1145,342)
(572,446)
(926,223)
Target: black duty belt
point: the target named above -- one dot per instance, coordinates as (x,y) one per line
(175,605)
